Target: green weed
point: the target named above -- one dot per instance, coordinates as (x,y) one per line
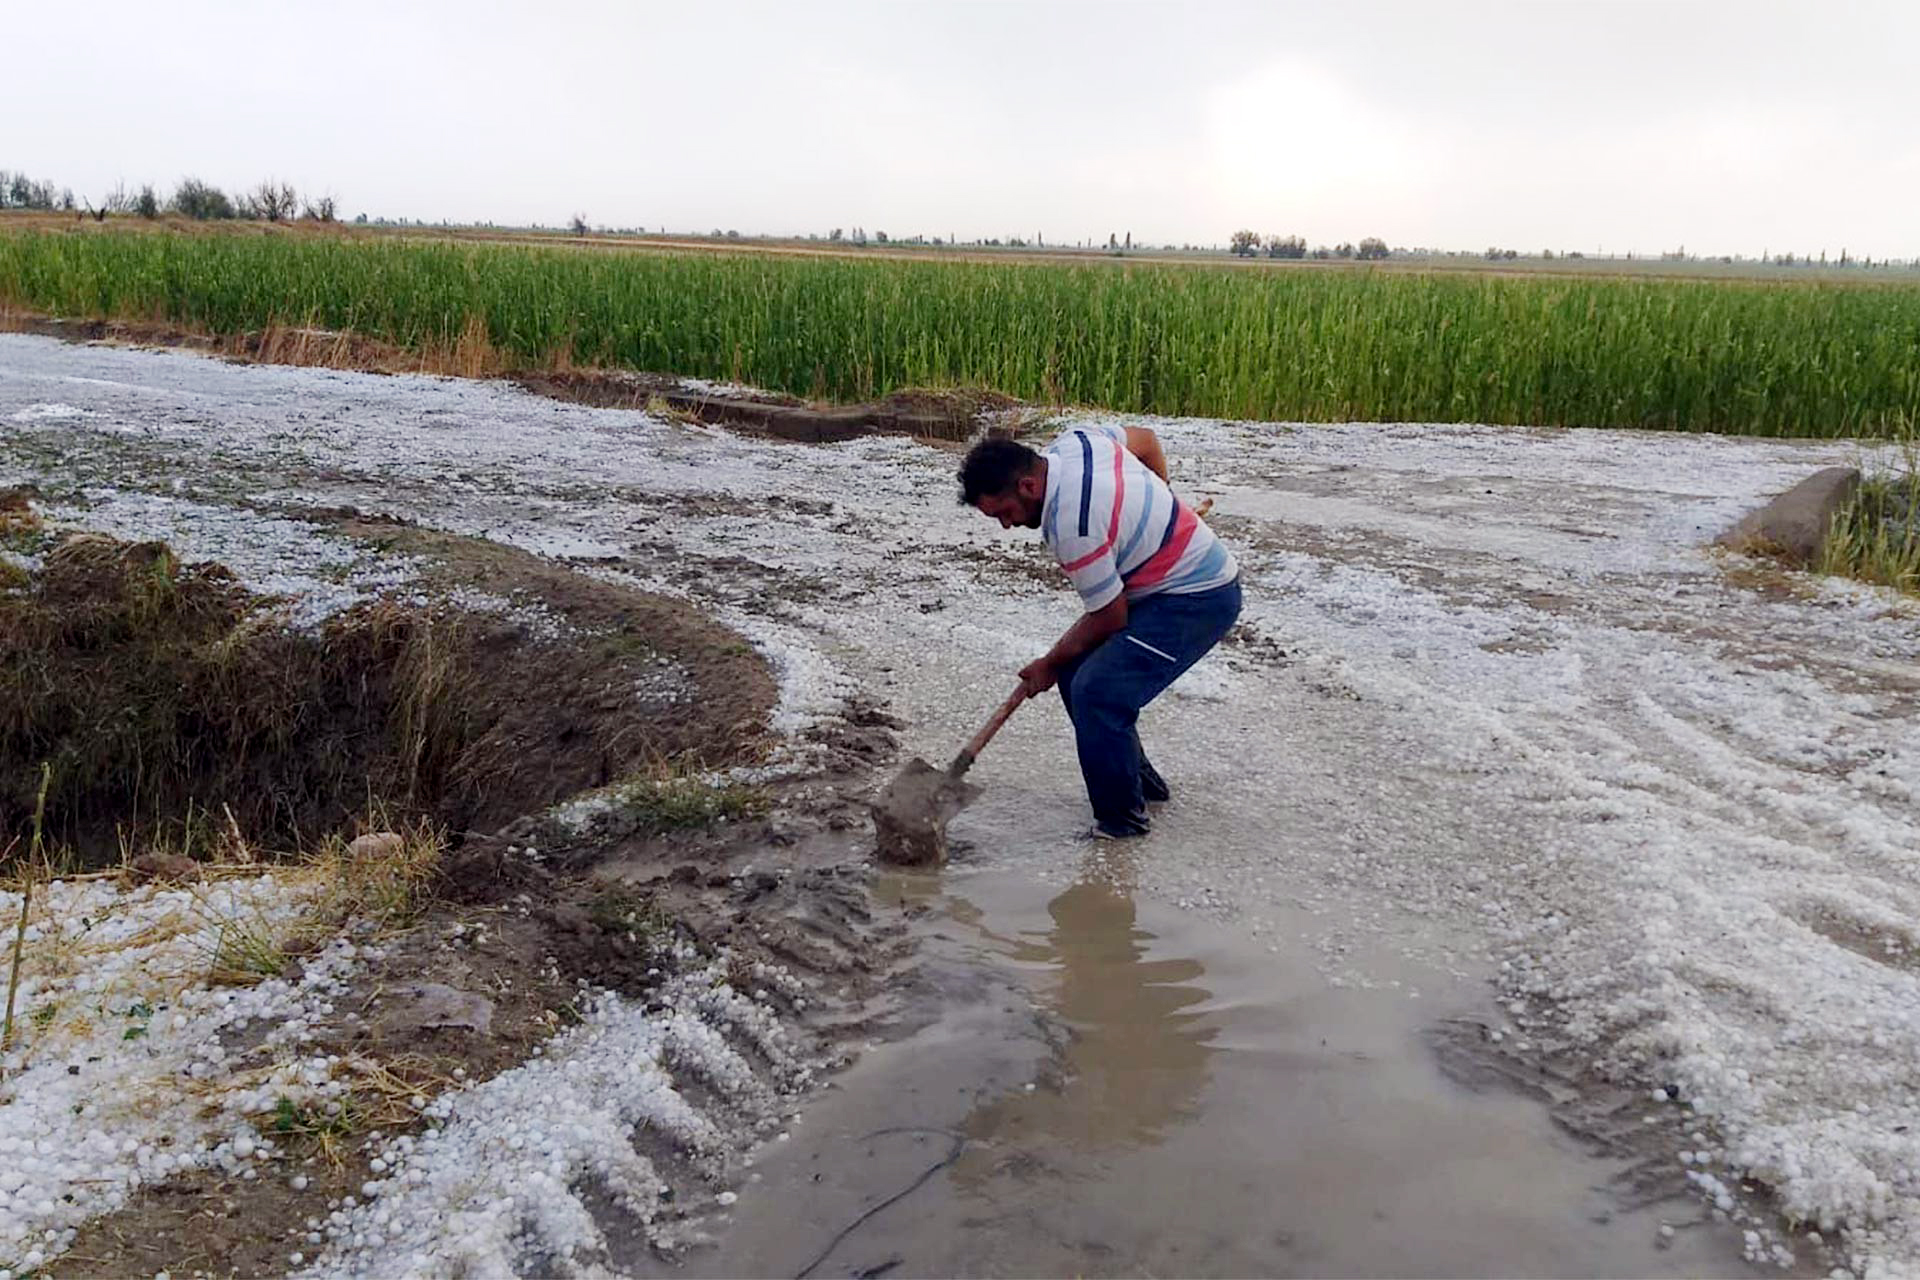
(1876,536)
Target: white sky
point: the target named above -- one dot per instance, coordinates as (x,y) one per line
(1723,126)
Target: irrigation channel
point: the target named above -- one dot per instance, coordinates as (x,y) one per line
(1537,896)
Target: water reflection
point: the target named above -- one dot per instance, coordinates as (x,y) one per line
(1131,1045)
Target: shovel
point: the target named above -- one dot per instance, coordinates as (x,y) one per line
(910,816)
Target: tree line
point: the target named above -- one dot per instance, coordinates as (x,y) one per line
(1250,244)
(270,201)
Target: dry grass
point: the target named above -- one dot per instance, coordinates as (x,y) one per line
(382,1096)
(385,883)
(150,688)
(471,354)
(226,926)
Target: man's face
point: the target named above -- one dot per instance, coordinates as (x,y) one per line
(1021,505)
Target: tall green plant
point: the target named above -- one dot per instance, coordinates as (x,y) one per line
(1757,357)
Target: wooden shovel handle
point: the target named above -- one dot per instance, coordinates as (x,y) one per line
(980,740)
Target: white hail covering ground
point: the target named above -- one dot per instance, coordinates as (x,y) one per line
(134,1064)
(1495,709)
(499,1186)
(124,1071)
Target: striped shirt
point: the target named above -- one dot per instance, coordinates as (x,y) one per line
(1115,526)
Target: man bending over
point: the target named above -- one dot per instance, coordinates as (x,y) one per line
(1160,590)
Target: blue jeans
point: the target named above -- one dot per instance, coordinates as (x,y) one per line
(1105,689)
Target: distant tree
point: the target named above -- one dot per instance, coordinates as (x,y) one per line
(1321,252)
(732,234)
(579,225)
(22,192)
(1546,255)
(198,200)
(360,218)
(274,201)
(1244,243)
(1343,250)
(834,234)
(146,204)
(1372,249)
(880,237)
(320,210)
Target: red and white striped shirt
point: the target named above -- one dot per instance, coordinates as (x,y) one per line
(1115,526)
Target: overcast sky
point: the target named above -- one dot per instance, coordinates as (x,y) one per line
(1730,127)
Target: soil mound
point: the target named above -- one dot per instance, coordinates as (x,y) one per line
(167,701)
(936,414)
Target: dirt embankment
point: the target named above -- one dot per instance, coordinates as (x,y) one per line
(161,691)
(161,696)
(952,413)
(946,414)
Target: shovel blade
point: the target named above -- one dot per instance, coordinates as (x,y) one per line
(910,816)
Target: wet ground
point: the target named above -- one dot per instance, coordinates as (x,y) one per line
(1495,726)
(1111,1087)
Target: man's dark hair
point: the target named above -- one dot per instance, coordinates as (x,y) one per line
(993,466)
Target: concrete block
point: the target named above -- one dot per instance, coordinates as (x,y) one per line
(1794,524)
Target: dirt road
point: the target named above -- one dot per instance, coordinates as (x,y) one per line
(1494,716)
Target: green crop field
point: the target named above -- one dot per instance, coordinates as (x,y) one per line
(1757,357)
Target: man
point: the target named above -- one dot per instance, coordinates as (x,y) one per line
(1159,589)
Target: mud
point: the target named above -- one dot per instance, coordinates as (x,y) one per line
(472,990)
(953,414)
(910,815)
(1106,1087)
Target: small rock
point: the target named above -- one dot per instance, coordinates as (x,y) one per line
(376,845)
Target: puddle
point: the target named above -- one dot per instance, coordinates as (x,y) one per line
(1110,1087)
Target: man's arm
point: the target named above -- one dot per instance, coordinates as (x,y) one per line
(1083,637)
(1143,444)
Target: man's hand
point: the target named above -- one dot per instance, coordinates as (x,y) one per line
(1038,676)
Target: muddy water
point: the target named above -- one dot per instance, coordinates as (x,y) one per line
(1105,1086)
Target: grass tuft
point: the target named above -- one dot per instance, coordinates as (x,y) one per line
(384,878)
(665,799)
(1876,536)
